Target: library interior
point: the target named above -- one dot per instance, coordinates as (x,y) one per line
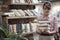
(29,19)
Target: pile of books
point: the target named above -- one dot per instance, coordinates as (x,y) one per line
(28,27)
(24,1)
(21,13)
(44,24)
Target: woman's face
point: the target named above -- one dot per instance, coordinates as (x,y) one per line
(46,10)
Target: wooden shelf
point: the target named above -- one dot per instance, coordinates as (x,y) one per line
(32,17)
(27,4)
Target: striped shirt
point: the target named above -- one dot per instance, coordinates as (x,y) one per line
(52,19)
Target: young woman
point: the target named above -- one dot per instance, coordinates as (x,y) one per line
(52,19)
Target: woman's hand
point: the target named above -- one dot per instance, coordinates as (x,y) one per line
(39,31)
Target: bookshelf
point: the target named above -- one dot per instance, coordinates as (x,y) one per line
(14,20)
(9,4)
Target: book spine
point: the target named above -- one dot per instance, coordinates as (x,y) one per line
(21,12)
(28,27)
(12,28)
(9,28)
(15,31)
(23,28)
(30,13)
(19,27)
(26,13)
(17,13)
(33,13)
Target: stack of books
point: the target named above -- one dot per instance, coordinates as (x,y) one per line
(44,24)
(15,28)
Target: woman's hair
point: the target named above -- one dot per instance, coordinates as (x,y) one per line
(47,4)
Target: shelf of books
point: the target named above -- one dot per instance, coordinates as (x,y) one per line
(16,25)
(18,19)
(19,2)
(19,15)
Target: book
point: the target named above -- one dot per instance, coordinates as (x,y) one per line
(9,13)
(28,27)
(30,13)
(9,28)
(34,1)
(34,26)
(15,1)
(19,27)
(28,1)
(16,13)
(27,12)
(23,28)
(14,28)
(34,12)
(21,12)
(41,22)
(22,1)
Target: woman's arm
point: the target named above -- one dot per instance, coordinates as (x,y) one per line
(55,26)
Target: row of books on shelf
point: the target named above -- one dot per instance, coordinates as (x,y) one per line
(24,1)
(29,27)
(21,13)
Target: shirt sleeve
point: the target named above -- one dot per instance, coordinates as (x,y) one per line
(55,21)
(37,19)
